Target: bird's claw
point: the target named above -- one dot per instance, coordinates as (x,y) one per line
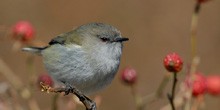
(68,89)
(89,104)
(45,87)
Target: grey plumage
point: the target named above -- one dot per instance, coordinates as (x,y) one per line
(87,57)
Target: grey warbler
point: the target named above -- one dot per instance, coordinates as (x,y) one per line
(87,57)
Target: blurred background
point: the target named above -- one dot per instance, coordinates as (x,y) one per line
(154,27)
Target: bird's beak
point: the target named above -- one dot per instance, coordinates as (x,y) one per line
(122,39)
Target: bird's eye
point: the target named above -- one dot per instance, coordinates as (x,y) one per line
(104,39)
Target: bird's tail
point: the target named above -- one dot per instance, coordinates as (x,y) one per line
(35,50)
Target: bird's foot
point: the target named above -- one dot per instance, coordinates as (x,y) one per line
(50,89)
(46,88)
(89,104)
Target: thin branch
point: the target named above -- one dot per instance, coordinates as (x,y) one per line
(88,103)
(172,96)
(194,28)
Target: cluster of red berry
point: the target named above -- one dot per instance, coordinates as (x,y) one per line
(200,84)
(204,84)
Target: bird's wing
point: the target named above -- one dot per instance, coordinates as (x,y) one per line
(58,40)
(67,38)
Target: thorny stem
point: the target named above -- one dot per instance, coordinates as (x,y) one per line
(172,96)
(195,59)
(194,25)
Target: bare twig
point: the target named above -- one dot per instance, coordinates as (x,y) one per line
(178,101)
(88,103)
(194,25)
(172,95)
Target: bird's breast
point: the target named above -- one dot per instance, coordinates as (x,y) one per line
(75,66)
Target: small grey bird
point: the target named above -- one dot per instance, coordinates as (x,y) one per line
(86,58)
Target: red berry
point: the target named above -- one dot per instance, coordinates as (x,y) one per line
(46,79)
(23,30)
(129,75)
(198,84)
(173,62)
(213,85)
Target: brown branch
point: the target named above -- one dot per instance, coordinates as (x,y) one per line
(172,95)
(88,103)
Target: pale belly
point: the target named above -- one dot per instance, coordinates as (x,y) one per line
(77,70)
